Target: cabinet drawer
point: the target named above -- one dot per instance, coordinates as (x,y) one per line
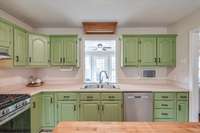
(164,120)
(164,96)
(164,114)
(90,96)
(111,96)
(67,96)
(164,104)
(182,96)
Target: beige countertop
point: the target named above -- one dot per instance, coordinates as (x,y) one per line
(22,89)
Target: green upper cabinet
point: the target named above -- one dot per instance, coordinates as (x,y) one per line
(56,51)
(38,50)
(111,111)
(130,51)
(48,109)
(6,34)
(70,47)
(166,50)
(147,49)
(90,111)
(64,50)
(20,47)
(36,109)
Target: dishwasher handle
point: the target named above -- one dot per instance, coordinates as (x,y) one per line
(138,97)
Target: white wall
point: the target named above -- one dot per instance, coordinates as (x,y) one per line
(186,71)
(181,73)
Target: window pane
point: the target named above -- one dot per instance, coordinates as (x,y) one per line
(100,56)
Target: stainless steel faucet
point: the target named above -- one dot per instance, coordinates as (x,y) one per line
(100,76)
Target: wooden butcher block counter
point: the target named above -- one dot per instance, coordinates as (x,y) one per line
(126,127)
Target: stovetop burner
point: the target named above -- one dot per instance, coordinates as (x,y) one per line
(9,99)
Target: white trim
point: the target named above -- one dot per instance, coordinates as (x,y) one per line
(193,79)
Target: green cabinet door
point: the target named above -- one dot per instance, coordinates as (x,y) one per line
(90,110)
(56,50)
(130,51)
(6,34)
(48,109)
(67,111)
(182,111)
(166,50)
(70,47)
(111,111)
(147,49)
(36,109)
(20,47)
(38,50)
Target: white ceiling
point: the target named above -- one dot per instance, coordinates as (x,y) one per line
(70,13)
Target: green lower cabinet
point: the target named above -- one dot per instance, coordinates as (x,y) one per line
(171,106)
(90,110)
(36,109)
(48,109)
(182,111)
(67,111)
(111,111)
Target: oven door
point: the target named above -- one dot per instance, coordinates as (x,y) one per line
(19,124)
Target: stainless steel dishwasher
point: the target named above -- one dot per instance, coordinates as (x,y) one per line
(138,106)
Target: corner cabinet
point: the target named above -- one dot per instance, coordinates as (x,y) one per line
(48,110)
(148,50)
(38,50)
(36,109)
(20,47)
(64,50)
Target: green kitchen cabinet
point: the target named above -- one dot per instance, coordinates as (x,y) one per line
(70,47)
(166,50)
(64,50)
(90,111)
(182,107)
(36,111)
(56,51)
(67,111)
(130,51)
(182,111)
(48,109)
(147,51)
(111,111)
(6,34)
(20,47)
(38,50)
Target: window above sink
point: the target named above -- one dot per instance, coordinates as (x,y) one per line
(100,55)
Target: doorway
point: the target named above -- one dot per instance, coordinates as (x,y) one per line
(194,74)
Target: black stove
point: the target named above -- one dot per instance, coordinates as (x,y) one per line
(12,105)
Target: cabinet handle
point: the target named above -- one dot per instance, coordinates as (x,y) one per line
(159,59)
(164,96)
(183,96)
(98,107)
(179,107)
(29,59)
(17,58)
(34,105)
(164,113)
(60,60)
(164,105)
(63,60)
(155,60)
(74,107)
(51,100)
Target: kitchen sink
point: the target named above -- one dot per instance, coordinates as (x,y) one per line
(101,86)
